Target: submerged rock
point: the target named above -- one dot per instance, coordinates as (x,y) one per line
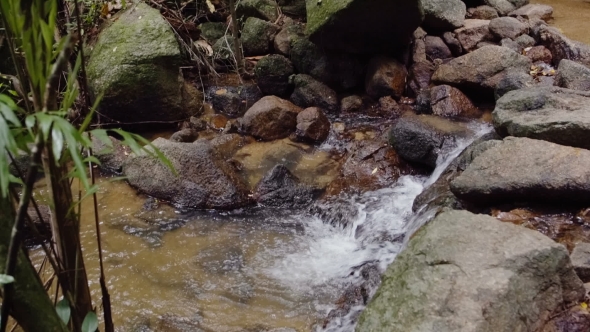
(386,24)
(280,188)
(549,113)
(526,170)
(134,65)
(466,272)
(204,180)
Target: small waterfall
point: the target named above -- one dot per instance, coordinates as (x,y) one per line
(378,226)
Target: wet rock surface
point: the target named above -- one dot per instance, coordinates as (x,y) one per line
(422,138)
(312,125)
(508,283)
(204,179)
(280,188)
(233,101)
(270,118)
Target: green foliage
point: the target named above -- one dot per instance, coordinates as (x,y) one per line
(63,310)
(6,279)
(90,323)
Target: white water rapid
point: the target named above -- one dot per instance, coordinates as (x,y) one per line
(325,256)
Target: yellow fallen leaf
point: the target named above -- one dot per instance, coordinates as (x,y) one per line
(375,170)
(584,305)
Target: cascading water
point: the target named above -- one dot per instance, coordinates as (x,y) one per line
(326,256)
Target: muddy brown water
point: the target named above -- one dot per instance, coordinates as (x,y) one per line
(572,17)
(173,271)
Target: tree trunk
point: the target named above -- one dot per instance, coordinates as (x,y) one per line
(65,227)
(31,306)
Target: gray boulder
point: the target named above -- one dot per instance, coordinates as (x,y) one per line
(482,69)
(534,11)
(258,36)
(310,92)
(421,138)
(473,33)
(581,260)
(572,75)
(507,27)
(505,6)
(204,179)
(482,13)
(272,74)
(270,118)
(473,273)
(444,14)
(436,48)
(526,170)
(134,65)
(386,24)
(111,154)
(448,101)
(549,113)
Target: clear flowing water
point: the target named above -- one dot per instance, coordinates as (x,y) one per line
(242,270)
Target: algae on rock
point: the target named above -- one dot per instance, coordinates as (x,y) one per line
(134,65)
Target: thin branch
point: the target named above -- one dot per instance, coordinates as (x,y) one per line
(16,237)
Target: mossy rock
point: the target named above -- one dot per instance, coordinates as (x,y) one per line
(257,36)
(263,9)
(272,74)
(360,26)
(212,31)
(134,66)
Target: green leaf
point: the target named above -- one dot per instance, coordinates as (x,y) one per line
(90,323)
(63,310)
(6,279)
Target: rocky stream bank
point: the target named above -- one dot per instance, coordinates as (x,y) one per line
(349,99)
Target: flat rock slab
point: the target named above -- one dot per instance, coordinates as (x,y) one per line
(549,113)
(526,170)
(472,273)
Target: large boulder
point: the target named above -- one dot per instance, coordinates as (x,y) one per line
(534,11)
(422,138)
(507,27)
(482,69)
(204,179)
(526,170)
(386,24)
(549,113)
(473,273)
(134,66)
(572,75)
(444,14)
(448,101)
(270,118)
